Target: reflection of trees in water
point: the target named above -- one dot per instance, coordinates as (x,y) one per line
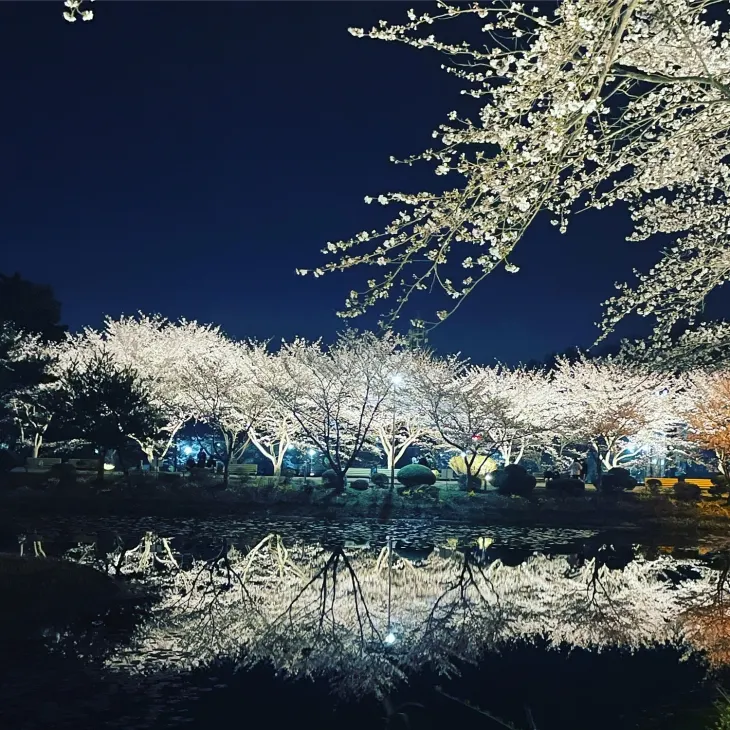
(312,612)
(706,620)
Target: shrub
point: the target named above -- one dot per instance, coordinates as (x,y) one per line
(514,479)
(380,480)
(360,484)
(65,473)
(653,486)
(470,484)
(330,479)
(566,486)
(416,474)
(616,480)
(719,485)
(686,491)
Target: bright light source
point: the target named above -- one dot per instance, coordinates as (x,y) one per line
(488,478)
(188,450)
(108,467)
(389,638)
(312,452)
(396,379)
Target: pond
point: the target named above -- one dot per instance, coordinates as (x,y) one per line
(408,624)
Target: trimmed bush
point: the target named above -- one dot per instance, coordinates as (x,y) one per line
(330,479)
(414,475)
(360,484)
(653,486)
(719,485)
(616,480)
(686,491)
(514,479)
(380,480)
(566,486)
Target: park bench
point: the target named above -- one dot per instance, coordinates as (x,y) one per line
(43,463)
(359,473)
(669,482)
(249,470)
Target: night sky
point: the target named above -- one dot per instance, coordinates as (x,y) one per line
(185,158)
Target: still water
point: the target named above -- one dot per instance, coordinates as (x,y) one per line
(409,624)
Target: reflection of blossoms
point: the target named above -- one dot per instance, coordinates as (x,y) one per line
(312,612)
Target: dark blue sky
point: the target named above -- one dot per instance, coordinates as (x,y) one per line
(185,158)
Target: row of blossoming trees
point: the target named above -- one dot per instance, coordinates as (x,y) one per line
(141,379)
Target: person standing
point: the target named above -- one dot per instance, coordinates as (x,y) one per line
(575,469)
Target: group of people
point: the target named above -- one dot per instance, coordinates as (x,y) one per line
(578,469)
(203,462)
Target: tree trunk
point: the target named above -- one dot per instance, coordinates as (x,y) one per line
(37,441)
(226,463)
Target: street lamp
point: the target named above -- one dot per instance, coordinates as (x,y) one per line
(311,454)
(396,379)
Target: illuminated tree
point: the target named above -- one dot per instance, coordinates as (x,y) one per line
(467,413)
(156,350)
(530,413)
(402,421)
(274,430)
(219,388)
(707,414)
(582,104)
(333,395)
(28,386)
(616,409)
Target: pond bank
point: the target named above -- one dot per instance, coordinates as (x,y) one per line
(632,511)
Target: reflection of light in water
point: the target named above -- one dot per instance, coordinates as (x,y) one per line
(313,612)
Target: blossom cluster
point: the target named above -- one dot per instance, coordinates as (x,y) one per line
(580,104)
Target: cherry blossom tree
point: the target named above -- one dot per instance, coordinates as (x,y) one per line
(274,430)
(220,388)
(333,395)
(581,104)
(706,410)
(157,350)
(613,407)
(530,412)
(468,413)
(32,398)
(403,422)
